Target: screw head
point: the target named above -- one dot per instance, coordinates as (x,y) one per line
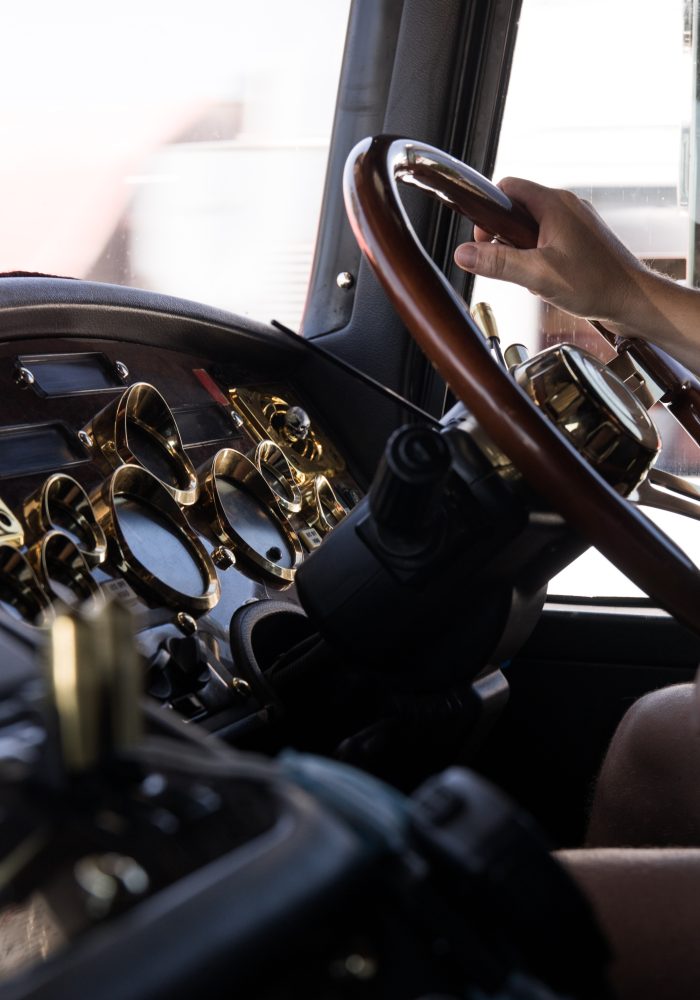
(85,440)
(345,280)
(236,419)
(23,377)
(121,370)
(240,687)
(186,623)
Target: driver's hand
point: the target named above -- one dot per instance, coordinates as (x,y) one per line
(579,264)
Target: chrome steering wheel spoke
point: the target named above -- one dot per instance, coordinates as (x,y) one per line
(664,491)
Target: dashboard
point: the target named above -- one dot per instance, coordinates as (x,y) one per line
(189,462)
(157,453)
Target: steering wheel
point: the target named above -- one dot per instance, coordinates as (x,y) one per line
(441,324)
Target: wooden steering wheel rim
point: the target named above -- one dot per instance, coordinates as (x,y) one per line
(441,324)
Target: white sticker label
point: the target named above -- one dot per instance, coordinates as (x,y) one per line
(311,538)
(122,591)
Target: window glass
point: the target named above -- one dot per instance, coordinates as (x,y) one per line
(178,147)
(600,102)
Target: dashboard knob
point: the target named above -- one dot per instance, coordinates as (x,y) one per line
(296,424)
(516,354)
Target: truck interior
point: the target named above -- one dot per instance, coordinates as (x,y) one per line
(319,614)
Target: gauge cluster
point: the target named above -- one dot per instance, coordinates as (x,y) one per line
(149,475)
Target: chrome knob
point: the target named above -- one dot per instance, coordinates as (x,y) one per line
(296,424)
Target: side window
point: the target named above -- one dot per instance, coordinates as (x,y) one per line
(600,102)
(178,147)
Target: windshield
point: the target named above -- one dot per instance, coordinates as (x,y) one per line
(176,147)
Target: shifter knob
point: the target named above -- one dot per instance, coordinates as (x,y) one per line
(406,493)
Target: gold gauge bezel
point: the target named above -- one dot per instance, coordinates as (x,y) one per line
(236,467)
(136,483)
(142,406)
(269,456)
(15,565)
(39,515)
(324,508)
(11,530)
(57,547)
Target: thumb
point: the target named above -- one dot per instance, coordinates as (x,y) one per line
(495,260)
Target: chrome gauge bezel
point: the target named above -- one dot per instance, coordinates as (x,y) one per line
(15,567)
(595,410)
(142,406)
(324,508)
(11,529)
(57,549)
(234,466)
(136,483)
(274,466)
(40,513)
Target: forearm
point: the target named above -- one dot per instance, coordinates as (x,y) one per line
(659,310)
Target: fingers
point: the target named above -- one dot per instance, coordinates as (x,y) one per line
(579,264)
(534,197)
(494,260)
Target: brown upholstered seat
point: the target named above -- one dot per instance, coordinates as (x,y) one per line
(648,903)
(641,868)
(648,792)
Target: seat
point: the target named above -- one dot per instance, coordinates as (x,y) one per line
(648,791)
(640,867)
(647,903)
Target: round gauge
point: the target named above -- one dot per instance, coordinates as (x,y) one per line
(63,505)
(157,549)
(139,428)
(325,510)
(243,512)
(275,469)
(63,570)
(21,594)
(595,410)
